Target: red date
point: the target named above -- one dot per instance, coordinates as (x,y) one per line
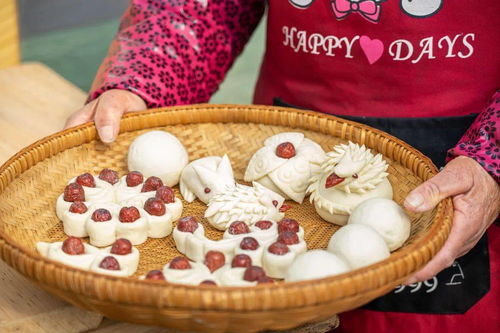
(73,246)
(285,150)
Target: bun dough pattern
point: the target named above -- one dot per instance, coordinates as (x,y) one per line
(244,203)
(205,177)
(195,245)
(285,164)
(92,258)
(349,175)
(120,195)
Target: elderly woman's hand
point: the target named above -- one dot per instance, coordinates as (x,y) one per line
(106,111)
(476,201)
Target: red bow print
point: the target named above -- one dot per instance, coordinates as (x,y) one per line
(369,9)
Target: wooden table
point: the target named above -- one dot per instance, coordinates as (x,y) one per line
(35,102)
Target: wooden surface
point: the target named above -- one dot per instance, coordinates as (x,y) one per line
(34,102)
(9,34)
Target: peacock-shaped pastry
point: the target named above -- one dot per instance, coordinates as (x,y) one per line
(349,175)
(244,203)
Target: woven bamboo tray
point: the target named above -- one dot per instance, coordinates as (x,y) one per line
(32,179)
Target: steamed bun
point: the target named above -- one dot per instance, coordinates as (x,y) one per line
(160,154)
(315,264)
(359,245)
(386,217)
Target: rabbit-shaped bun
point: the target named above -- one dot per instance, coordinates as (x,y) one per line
(205,177)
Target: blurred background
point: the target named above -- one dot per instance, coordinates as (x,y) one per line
(72,38)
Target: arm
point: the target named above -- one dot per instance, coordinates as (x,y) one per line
(471,178)
(481,142)
(169,53)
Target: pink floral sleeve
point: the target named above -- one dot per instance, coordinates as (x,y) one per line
(482,140)
(172,52)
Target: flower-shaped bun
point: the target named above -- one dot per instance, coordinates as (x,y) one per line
(285,164)
(180,270)
(66,252)
(100,192)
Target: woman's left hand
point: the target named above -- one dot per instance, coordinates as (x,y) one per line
(476,201)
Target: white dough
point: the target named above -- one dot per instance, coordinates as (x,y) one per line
(122,272)
(299,248)
(75,224)
(128,262)
(232,277)
(136,232)
(103,191)
(194,276)
(362,176)
(268,236)
(386,217)
(103,233)
(225,246)
(255,255)
(349,201)
(244,203)
(212,172)
(160,154)
(276,266)
(175,209)
(195,248)
(358,245)
(287,177)
(159,226)
(54,252)
(124,192)
(180,237)
(63,206)
(315,264)
(138,200)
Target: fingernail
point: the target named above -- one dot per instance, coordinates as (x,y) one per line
(411,280)
(106,134)
(415,200)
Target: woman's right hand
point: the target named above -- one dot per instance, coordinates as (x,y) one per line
(106,111)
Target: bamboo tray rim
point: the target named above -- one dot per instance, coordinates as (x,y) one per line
(10,245)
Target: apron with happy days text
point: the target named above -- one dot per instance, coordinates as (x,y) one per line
(420,70)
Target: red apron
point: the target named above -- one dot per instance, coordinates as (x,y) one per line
(398,59)
(380,58)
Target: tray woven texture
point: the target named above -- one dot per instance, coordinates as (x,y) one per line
(31,181)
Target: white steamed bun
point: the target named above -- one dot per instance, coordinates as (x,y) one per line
(315,264)
(359,245)
(160,154)
(386,217)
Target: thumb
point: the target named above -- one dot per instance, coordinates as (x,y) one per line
(107,120)
(448,182)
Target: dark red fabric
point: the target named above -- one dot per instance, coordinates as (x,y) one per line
(483,317)
(442,83)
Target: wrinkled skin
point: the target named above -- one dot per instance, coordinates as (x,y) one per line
(476,202)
